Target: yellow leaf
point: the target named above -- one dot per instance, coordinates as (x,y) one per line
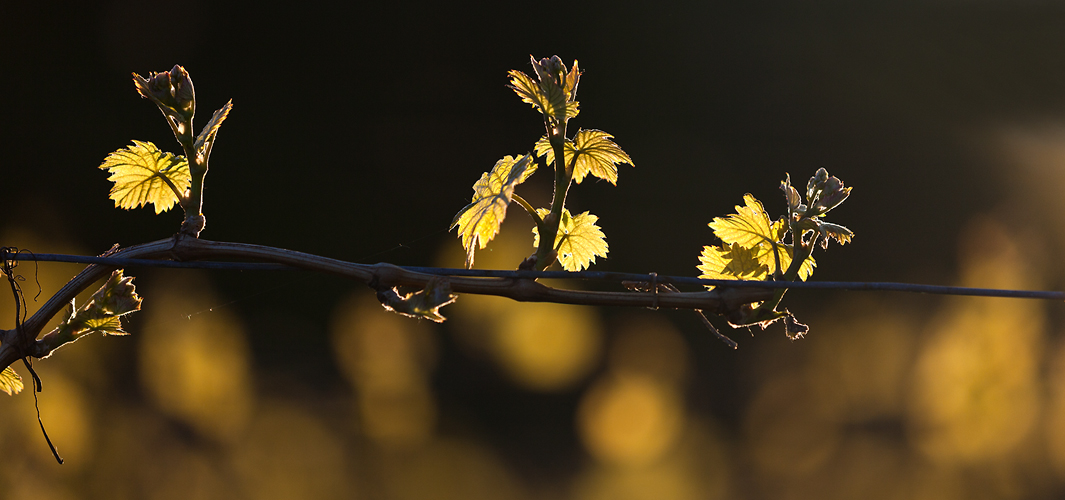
(548,97)
(479,222)
(786,253)
(142,174)
(748,227)
(751,228)
(579,240)
(731,262)
(10,382)
(596,154)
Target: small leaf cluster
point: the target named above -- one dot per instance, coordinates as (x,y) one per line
(578,239)
(103,312)
(755,247)
(143,174)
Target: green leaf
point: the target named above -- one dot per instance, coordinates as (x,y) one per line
(731,262)
(205,141)
(479,222)
(596,154)
(10,382)
(424,304)
(142,174)
(578,242)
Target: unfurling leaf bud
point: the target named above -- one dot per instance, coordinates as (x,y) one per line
(171,90)
(816,184)
(831,196)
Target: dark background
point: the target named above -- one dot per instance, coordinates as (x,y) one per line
(357,132)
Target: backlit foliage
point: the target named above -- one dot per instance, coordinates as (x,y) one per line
(753,246)
(578,242)
(591,152)
(143,174)
(553,93)
(479,222)
(10,382)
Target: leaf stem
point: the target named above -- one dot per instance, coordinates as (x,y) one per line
(530,210)
(556,134)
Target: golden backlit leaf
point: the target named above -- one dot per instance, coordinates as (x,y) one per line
(596,154)
(748,227)
(107,325)
(731,262)
(10,382)
(143,174)
(479,222)
(751,228)
(547,97)
(579,240)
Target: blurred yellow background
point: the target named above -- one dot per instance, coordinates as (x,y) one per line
(357,131)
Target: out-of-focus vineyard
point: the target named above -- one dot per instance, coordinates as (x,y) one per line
(356,134)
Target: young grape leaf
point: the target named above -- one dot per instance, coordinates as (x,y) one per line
(479,222)
(102,313)
(205,141)
(750,227)
(579,240)
(835,232)
(548,95)
(142,174)
(107,325)
(10,382)
(786,252)
(596,154)
(731,262)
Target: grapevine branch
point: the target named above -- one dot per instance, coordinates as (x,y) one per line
(853,286)
(186,252)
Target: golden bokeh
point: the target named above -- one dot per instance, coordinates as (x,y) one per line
(543,347)
(288,454)
(1054,426)
(789,435)
(547,347)
(697,468)
(387,359)
(976,390)
(630,419)
(650,345)
(860,360)
(196,368)
(68,415)
(449,469)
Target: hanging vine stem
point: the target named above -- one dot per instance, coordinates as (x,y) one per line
(8,262)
